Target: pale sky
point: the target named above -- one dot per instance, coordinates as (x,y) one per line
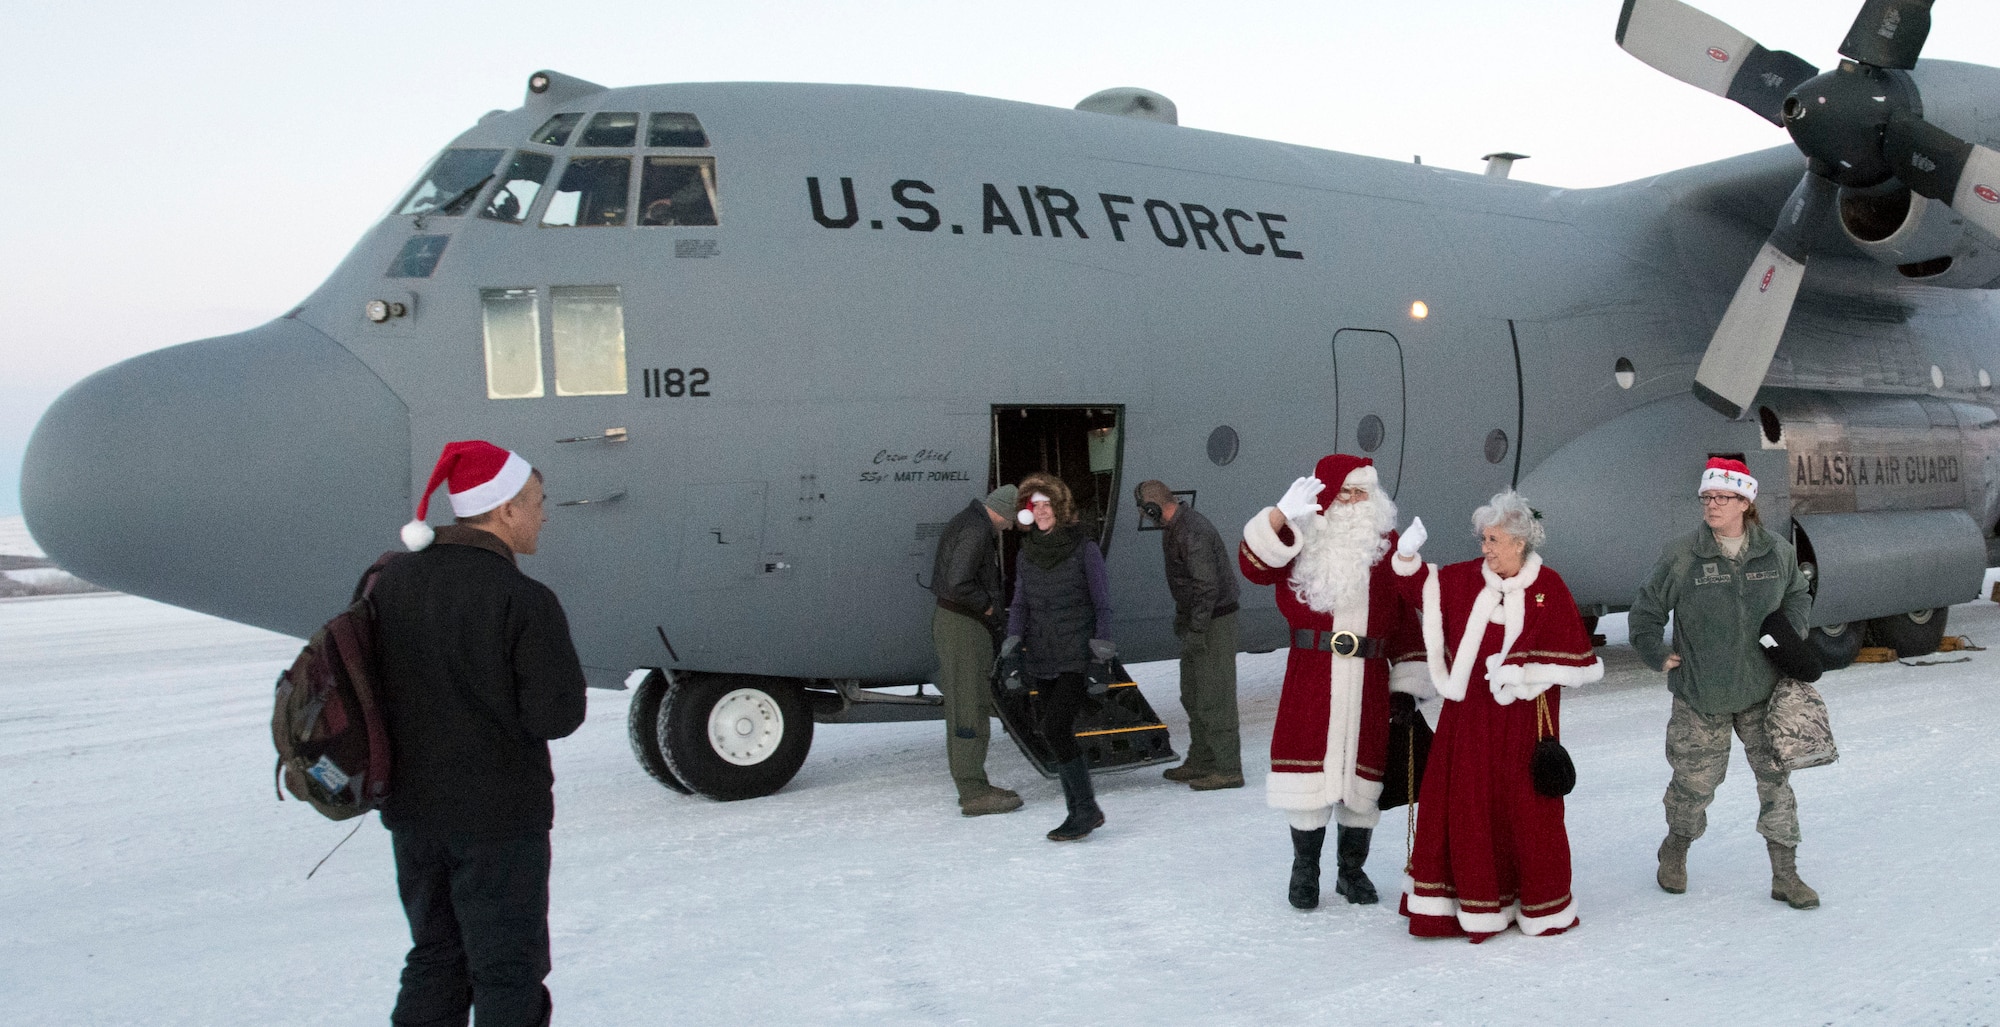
(188,169)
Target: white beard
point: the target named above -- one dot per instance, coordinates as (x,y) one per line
(1340,547)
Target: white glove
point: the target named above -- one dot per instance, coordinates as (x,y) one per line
(1301,499)
(1412,538)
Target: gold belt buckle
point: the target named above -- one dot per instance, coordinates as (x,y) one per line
(1345,643)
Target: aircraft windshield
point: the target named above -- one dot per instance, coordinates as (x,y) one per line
(677,191)
(592,193)
(556,130)
(451,184)
(675,129)
(519,187)
(612,128)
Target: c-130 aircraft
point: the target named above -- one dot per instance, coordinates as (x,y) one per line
(764,340)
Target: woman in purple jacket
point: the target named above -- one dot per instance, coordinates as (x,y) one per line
(1058,626)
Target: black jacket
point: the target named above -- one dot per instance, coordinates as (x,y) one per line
(966,573)
(1201,571)
(478,673)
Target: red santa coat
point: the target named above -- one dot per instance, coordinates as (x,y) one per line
(1331,739)
(1490,850)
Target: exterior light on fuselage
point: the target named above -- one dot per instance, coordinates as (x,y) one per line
(1420,310)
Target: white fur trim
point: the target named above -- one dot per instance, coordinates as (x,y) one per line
(1363,476)
(1485,923)
(1430,905)
(1412,678)
(1540,676)
(1295,792)
(417,535)
(1265,544)
(1534,925)
(1348,816)
(492,493)
(1722,480)
(1404,566)
(1309,819)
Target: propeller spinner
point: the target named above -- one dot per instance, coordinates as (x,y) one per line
(1858,125)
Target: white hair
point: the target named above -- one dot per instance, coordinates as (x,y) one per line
(1339,549)
(1509,512)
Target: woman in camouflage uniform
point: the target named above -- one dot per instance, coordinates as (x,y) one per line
(1720,583)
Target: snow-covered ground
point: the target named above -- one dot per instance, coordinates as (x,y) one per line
(15,540)
(148,875)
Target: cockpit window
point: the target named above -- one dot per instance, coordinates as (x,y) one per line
(677,191)
(556,130)
(519,187)
(672,128)
(592,193)
(611,129)
(451,184)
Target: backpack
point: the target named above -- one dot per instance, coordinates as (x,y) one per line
(329,723)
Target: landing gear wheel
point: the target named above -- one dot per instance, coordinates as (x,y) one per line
(642,720)
(1837,644)
(1910,634)
(733,738)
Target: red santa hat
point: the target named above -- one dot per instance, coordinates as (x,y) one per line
(1725,475)
(482,476)
(1340,469)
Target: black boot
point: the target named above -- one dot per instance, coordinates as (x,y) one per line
(1084,816)
(1352,847)
(1306,845)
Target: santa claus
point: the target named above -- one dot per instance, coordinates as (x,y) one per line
(1326,548)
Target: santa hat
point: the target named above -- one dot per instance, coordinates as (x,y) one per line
(1725,475)
(482,477)
(1026,515)
(1340,469)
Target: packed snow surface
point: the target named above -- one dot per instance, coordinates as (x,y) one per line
(149,876)
(15,540)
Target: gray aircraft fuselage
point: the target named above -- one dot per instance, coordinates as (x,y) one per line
(889,266)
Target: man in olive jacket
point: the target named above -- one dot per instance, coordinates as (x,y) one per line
(478,674)
(1720,583)
(965,577)
(1201,574)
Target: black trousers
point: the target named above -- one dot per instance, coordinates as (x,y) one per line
(1056,705)
(479,929)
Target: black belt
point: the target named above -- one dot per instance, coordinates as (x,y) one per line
(1339,643)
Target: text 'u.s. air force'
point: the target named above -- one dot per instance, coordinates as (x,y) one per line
(1047,212)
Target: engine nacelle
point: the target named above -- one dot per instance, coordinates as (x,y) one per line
(1923,238)
(1920,237)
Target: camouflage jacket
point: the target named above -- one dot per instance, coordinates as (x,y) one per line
(1718,606)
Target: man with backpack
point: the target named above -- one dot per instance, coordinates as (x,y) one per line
(478,673)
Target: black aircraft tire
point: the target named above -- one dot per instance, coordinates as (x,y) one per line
(1910,634)
(642,720)
(766,723)
(1837,644)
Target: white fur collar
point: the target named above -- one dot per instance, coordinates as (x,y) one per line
(1501,596)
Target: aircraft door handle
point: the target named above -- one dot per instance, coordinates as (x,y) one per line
(608,435)
(606,498)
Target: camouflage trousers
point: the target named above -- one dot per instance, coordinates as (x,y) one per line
(1698,751)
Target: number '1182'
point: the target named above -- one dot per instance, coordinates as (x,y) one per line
(673,382)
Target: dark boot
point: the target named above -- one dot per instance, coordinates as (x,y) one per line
(1351,844)
(1306,845)
(1084,816)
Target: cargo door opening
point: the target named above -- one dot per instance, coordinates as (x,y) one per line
(1082,445)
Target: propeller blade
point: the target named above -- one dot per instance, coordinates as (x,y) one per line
(1889,33)
(1738,356)
(1944,167)
(1696,48)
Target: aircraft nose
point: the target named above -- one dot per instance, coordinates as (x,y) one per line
(252,476)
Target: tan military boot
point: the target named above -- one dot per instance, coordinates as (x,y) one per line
(992,800)
(1216,781)
(1184,773)
(1785,884)
(1673,875)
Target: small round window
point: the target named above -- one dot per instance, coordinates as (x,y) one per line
(1624,373)
(1496,446)
(1222,443)
(1370,433)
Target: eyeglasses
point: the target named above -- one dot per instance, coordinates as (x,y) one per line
(1351,494)
(1709,500)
